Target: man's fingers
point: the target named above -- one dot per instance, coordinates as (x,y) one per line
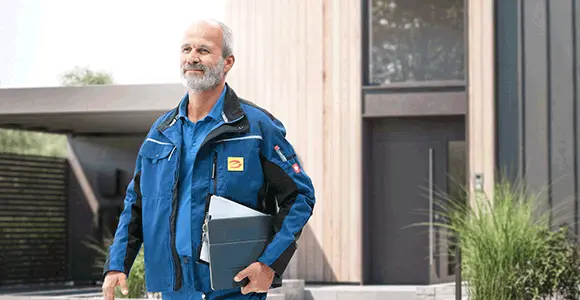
(112,280)
(110,293)
(123,284)
(248,288)
(242,274)
(109,290)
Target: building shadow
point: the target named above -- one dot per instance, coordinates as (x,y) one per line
(310,262)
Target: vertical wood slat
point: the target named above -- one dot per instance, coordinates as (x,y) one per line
(354,112)
(332,103)
(481,131)
(299,60)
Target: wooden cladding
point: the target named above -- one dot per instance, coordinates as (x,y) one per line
(33,225)
(301,61)
(481,93)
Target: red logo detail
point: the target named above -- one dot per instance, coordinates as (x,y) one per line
(235,164)
(296,168)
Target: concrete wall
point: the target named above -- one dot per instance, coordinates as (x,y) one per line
(538,99)
(98,157)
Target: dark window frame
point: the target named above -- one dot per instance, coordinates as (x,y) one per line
(410,86)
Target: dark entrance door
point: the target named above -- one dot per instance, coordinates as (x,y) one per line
(411,160)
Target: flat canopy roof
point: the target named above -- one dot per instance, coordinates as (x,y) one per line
(98,109)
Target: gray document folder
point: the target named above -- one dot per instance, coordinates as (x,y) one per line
(234,243)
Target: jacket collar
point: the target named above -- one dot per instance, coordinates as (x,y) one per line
(232,110)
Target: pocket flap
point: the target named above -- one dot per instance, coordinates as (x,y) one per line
(155,151)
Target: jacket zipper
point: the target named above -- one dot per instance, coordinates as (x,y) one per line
(172,222)
(204,237)
(214,172)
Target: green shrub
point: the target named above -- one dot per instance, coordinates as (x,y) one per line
(508,250)
(136,279)
(32,143)
(556,270)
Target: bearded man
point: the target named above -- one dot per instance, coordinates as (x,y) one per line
(212,143)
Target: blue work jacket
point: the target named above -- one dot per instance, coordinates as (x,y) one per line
(245,157)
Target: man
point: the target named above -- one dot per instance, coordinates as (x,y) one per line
(212,143)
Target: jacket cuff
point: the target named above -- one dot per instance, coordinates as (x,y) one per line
(280,263)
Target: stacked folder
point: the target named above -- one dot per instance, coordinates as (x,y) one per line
(234,236)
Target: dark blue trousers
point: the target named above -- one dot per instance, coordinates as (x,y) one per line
(188,291)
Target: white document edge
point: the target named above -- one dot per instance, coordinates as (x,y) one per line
(220,208)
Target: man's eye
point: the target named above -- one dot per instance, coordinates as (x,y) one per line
(185,49)
(202,50)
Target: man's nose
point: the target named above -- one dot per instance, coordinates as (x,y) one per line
(193,58)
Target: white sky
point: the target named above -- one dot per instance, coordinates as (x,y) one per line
(136,41)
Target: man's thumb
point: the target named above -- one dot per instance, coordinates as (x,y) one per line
(123,283)
(241,275)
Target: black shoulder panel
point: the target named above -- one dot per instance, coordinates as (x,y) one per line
(252,104)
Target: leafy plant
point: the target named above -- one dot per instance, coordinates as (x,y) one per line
(136,279)
(81,76)
(555,272)
(508,250)
(32,143)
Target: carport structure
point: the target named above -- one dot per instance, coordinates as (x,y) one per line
(105,125)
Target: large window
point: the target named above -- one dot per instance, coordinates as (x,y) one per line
(416,40)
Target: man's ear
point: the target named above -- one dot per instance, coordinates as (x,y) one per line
(229,63)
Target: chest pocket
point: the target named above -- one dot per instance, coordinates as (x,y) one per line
(238,173)
(155,151)
(158,166)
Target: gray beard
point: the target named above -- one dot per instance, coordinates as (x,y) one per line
(210,79)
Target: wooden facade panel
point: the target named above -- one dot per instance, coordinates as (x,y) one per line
(298,59)
(481,91)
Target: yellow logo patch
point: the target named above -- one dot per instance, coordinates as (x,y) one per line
(235,164)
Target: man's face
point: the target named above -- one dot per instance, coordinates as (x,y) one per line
(202,64)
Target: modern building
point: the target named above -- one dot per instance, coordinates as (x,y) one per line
(387,102)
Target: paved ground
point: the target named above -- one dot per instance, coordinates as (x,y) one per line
(57,291)
(291,291)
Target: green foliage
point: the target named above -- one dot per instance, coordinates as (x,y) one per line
(555,272)
(80,76)
(508,249)
(136,279)
(32,143)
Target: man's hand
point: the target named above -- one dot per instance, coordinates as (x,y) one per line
(260,276)
(112,280)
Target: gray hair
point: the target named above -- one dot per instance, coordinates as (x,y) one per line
(227,38)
